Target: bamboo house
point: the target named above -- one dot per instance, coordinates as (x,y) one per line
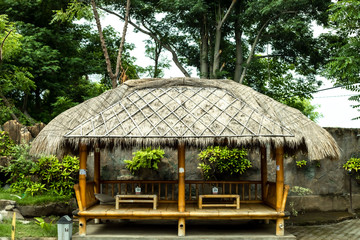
(181,113)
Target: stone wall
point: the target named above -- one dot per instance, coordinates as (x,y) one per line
(327,179)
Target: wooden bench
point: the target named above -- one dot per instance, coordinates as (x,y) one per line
(135,199)
(223,196)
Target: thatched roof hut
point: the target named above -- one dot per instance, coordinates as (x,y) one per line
(194,111)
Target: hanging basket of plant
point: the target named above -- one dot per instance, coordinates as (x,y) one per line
(352,166)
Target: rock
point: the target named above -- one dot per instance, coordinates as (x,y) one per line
(17,132)
(47,209)
(35,130)
(9,214)
(9,207)
(4,203)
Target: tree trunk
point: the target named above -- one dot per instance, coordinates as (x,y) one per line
(122,42)
(239,53)
(204,49)
(217,52)
(103,46)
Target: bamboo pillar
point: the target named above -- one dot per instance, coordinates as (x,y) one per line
(82,184)
(82,174)
(279,177)
(97,169)
(263,171)
(181,191)
(279,188)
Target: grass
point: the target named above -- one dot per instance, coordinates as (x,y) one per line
(31,229)
(32,200)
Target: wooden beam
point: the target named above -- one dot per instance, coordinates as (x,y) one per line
(279,177)
(97,169)
(264,171)
(82,174)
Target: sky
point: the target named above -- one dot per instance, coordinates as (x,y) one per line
(333,104)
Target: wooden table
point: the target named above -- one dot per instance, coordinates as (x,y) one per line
(234,196)
(136,199)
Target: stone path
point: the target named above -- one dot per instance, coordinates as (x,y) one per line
(346,230)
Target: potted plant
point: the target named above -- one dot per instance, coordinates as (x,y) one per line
(220,162)
(353,168)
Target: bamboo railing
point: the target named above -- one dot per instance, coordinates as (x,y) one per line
(249,191)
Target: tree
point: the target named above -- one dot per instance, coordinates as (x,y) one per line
(153,51)
(58,57)
(344,64)
(14,80)
(228,38)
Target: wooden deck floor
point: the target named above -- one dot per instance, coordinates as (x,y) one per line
(170,211)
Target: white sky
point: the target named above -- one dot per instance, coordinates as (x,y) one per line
(333,104)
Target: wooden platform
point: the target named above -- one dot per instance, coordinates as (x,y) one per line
(170,211)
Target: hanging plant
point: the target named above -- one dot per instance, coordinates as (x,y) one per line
(145,158)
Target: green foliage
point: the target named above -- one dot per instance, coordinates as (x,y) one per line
(46,174)
(46,226)
(344,58)
(27,230)
(352,165)
(301,163)
(145,158)
(62,104)
(222,160)
(27,199)
(6,144)
(299,191)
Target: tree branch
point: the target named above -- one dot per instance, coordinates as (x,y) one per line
(2,45)
(269,56)
(156,38)
(227,14)
(251,55)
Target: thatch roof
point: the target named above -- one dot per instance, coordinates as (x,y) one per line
(197,112)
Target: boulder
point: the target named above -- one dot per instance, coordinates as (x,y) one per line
(48,209)
(35,130)
(17,132)
(4,203)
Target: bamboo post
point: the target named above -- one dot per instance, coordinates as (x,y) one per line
(181,191)
(279,188)
(263,171)
(13,226)
(279,177)
(82,174)
(97,169)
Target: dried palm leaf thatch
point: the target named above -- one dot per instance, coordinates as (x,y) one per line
(197,112)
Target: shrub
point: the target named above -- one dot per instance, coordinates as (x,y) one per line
(145,158)
(222,160)
(6,144)
(46,174)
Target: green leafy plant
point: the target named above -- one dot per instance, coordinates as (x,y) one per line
(43,224)
(47,174)
(299,191)
(353,167)
(6,144)
(145,158)
(222,160)
(301,163)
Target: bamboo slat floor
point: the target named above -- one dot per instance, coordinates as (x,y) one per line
(170,211)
